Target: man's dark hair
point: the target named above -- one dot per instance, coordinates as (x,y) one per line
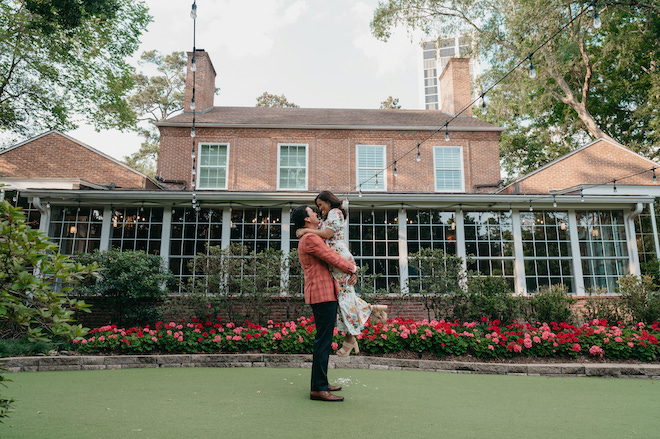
(298,216)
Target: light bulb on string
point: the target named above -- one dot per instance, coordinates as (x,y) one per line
(376,183)
(554,201)
(614,187)
(446,134)
(193,11)
(419,156)
(192,131)
(193,170)
(597,22)
(483,105)
(531,209)
(193,65)
(192,153)
(395,171)
(360,191)
(655,179)
(581,196)
(532,71)
(192,104)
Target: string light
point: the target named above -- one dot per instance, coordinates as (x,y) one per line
(532,71)
(395,171)
(419,156)
(192,103)
(614,187)
(581,196)
(483,105)
(446,133)
(554,201)
(531,209)
(597,22)
(655,179)
(192,131)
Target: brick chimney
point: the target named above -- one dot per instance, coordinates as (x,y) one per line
(454,86)
(204,82)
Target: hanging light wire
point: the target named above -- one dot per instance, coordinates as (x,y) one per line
(193,68)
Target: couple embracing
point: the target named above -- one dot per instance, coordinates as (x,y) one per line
(330,275)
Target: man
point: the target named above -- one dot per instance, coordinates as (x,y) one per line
(321,293)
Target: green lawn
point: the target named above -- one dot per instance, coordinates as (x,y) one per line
(274,403)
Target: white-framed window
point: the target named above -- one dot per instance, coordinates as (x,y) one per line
(448,168)
(213,159)
(292,166)
(370,167)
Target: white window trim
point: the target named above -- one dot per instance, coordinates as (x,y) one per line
(435,168)
(198,171)
(382,182)
(279,151)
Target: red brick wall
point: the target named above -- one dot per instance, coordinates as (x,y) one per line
(454,87)
(253,156)
(56,156)
(598,163)
(204,82)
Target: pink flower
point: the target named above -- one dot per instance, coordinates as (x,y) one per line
(527,343)
(383,336)
(576,347)
(180,338)
(490,346)
(277,336)
(618,339)
(537,339)
(596,351)
(334,346)
(237,338)
(606,339)
(154,339)
(300,339)
(631,344)
(517,348)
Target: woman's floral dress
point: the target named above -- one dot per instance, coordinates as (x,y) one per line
(353,312)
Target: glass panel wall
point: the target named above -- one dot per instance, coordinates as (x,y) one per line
(76,229)
(489,244)
(546,250)
(373,237)
(257,229)
(137,228)
(646,241)
(603,247)
(192,232)
(434,229)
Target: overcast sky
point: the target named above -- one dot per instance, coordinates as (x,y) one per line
(319,54)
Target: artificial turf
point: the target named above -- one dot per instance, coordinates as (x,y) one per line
(274,403)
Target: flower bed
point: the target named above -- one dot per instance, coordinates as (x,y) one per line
(480,339)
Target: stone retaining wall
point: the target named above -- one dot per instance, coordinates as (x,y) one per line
(59,363)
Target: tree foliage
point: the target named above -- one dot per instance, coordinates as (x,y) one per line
(34,281)
(271,100)
(390,104)
(154,99)
(590,83)
(64,59)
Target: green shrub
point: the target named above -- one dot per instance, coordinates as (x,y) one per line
(601,306)
(33,282)
(489,297)
(24,346)
(437,280)
(550,304)
(133,282)
(640,298)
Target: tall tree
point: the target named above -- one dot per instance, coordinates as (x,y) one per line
(62,59)
(155,98)
(589,83)
(270,100)
(390,104)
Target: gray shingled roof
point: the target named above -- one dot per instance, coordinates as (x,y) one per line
(327,118)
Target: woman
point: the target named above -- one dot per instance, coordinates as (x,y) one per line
(353,312)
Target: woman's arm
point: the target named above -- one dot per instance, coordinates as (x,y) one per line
(325,233)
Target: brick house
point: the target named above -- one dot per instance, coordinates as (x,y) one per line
(406,185)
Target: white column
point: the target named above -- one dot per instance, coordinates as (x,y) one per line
(165,235)
(226,227)
(578,276)
(518,254)
(106,228)
(285,245)
(655,230)
(403,251)
(460,237)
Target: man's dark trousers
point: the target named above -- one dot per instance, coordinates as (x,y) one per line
(325,316)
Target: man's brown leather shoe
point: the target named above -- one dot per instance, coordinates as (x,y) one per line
(324,395)
(332,388)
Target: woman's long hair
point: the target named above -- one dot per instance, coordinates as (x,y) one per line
(331,199)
